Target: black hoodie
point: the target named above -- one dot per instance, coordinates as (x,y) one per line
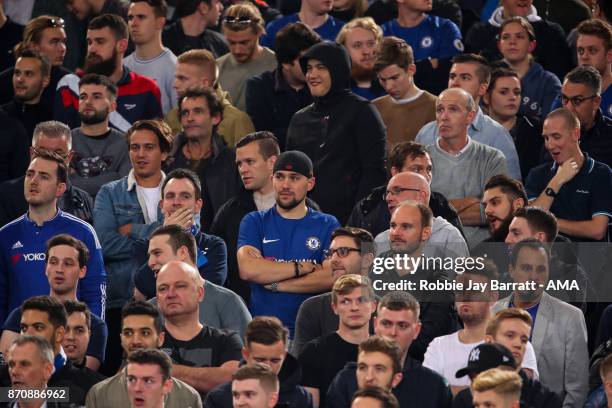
(291,394)
(342,134)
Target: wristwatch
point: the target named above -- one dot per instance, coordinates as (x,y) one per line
(550,192)
(273,287)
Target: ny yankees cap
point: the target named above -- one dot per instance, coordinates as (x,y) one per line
(486,356)
(294,160)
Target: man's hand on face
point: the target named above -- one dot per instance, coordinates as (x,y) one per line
(183,217)
(567,171)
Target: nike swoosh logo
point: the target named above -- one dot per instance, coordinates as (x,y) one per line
(267,241)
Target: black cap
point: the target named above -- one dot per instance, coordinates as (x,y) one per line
(294,160)
(486,356)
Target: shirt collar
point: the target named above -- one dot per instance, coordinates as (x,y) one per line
(477,123)
(587,166)
(28,219)
(131,180)
(469,142)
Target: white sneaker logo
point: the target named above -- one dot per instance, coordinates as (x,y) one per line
(129,106)
(17,244)
(267,241)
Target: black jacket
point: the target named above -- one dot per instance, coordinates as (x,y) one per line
(597,141)
(218,175)
(214,270)
(372,213)
(13,204)
(79,382)
(28,115)
(48,96)
(227,225)
(271,103)
(420,388)
(174,38)
(527,136)
(533,395)
(11,34)
(14,148)
(344,136)
(552,51)
(567,13)
(291,394)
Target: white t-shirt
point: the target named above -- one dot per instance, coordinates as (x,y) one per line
(151,195)
(446,355)
(264,202)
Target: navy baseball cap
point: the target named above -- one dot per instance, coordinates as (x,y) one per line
(486,356)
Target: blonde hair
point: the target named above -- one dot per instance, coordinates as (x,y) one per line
(505,314)
(201,58)
(347,283)
(503,382)
(247,12)
(367,23)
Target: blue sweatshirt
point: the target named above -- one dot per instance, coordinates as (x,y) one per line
(22,261)
(539,90)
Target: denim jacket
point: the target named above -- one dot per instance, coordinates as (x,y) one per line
(119,203)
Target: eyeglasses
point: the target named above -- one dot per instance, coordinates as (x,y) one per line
(241,20)
(55,22)
(576,100)
(342,252)
(399,190)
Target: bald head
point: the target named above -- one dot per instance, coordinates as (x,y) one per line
(179,292)
(180,267)
(407,186)
(465,98)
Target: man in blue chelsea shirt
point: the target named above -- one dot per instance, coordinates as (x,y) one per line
(280,250)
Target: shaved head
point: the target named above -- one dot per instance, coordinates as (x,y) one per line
(191,272)
(453,93)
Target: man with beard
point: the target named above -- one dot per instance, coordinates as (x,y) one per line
(447,354)
(139,97)
(559,330)
(284,242)
(362,37)
(201,149)
(502,196)
(435,40)
(30,78)
(100,152)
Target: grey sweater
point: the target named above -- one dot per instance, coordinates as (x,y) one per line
(98,160)
(465,175)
